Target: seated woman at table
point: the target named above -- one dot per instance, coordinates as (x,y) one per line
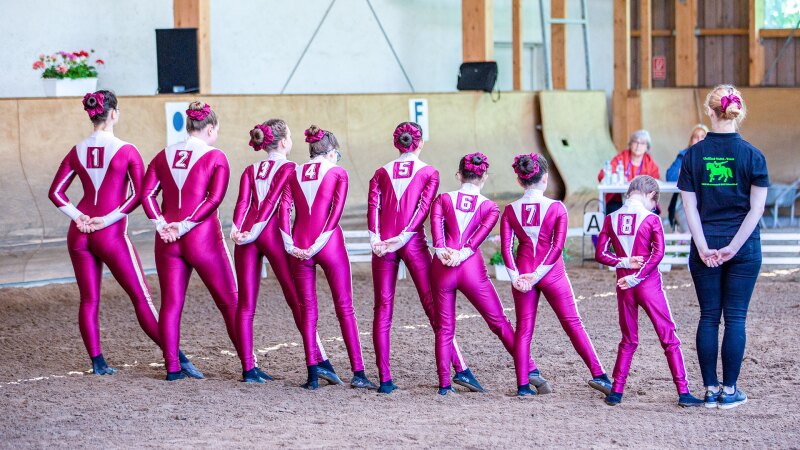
(677,218)
(636,161)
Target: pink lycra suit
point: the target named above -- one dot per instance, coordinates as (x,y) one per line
(259,196)
(540,226)
(110,171)
(400,197)
(461,220)
(635,231)
(192,178)
(318,191)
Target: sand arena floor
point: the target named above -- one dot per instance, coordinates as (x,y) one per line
(48,399)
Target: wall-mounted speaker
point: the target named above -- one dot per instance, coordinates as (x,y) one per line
(176,50)
(477,76)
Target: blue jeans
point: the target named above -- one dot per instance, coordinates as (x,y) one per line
(724,292)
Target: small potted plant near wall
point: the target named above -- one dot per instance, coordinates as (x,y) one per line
(500,272)
(68,73)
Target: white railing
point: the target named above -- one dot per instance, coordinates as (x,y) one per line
(777,248)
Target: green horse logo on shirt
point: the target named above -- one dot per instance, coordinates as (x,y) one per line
(719,174)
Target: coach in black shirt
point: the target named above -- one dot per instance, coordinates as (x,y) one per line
(723,182)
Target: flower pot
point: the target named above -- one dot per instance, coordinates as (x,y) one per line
(500,272)
(67,87)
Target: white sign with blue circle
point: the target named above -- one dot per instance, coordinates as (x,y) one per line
(176,121)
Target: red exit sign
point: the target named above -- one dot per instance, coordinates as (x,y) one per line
(659,68)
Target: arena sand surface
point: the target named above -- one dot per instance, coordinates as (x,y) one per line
(136,408)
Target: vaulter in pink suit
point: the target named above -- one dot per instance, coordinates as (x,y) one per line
(110,171)
(637,237)
(317,192)
(400,197)
(460,222)
(257,234)
(540,224)
(192,177)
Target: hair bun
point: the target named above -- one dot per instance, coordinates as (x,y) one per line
(196,106)
(477,160)
(90,102)
(314,134)
(405,139)
(257,135)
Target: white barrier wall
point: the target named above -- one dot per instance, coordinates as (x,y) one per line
(255,44)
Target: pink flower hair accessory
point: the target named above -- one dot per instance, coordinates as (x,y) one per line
(199,114)
(268,137)
(93,104)
(311,138)
(477,163)
(518,170)
(727,100)
(405,132)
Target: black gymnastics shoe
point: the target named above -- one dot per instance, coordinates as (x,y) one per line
(174,376)
(614,399)
(467,379)
(360,381)
(601,383)
(387,387)
(312,382)
(537,380)
(688,400)
(263,375)
(326,372)
(188,368)
(525,390)
(251,376)
(100,367)
(443,391)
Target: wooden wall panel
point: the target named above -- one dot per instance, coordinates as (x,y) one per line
(787,72)
(663,41)
(723,58)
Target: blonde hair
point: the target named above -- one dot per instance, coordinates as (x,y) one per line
(644,184)
(698,127)
(732,111)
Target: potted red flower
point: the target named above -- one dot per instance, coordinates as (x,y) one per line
(68,73)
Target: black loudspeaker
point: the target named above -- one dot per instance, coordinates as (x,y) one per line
(477,76)
(176,50)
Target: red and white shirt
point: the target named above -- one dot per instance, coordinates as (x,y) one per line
(110,171)
(540,225)
(400,196)
(632,231)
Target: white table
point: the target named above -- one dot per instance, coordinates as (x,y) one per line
(603,189)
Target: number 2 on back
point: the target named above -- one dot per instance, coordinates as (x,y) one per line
(182,159)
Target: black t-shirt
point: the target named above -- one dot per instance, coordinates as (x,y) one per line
(720,170)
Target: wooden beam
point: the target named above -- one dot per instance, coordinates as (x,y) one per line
(197,14)
(722,32)
(477,30)
(646,43)
(756,50)
(516,42)
(558,44)
(685,43)
(654,33)
(622,71)
(773,33)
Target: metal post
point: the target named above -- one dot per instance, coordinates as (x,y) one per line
(586,53)
(548,75)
